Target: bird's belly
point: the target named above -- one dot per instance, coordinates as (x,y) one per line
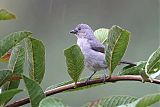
(95,62)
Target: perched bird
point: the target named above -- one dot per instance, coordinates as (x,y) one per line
(92,49)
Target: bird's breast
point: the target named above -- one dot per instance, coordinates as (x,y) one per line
(83,44)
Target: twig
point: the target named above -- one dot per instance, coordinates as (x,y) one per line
(82,84)
(126,62)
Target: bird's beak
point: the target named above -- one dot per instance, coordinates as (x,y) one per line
(73,31)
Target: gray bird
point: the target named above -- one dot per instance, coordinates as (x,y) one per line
(92,49)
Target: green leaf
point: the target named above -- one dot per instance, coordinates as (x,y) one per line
(4,76)
(74,61)
(118,39)
(102,35)
(153,64)
(5,15)
(133,70)
(16,63)
(5,96)
(34,90)
(76,88)
(12,40)
(51,102)
(36,59)
(148,100)
(128,66)
(112,101)
(144,101)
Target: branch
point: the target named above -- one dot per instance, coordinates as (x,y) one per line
(82,84)
(126,62)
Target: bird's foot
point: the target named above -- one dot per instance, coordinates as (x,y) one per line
(104,78)
(90,78)
(87,81)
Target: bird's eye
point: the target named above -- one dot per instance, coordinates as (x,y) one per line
(79,28)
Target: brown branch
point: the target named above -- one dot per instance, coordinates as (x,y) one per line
(82,84)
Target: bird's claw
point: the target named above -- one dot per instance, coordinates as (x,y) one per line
(86,82)
(104,78)
(90,78)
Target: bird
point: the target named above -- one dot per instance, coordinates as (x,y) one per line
(92,49)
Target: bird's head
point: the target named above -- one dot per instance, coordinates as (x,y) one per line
(82,31)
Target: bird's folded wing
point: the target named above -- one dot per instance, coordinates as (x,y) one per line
(97,46)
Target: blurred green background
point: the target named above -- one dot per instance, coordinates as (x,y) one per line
(51,21)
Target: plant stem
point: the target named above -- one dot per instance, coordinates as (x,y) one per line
(126,62)
(82,84)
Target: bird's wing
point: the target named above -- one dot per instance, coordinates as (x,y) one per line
(97,46)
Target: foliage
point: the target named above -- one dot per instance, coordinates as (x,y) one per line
(153,64)
(111,101)
(133,70)
(144,101)
(117,43)
(5,15)
(5,96)
(13,51)
(4,76)
(51,102)
(20,47)
(34,90)
(75,61)
(102,35)
(35,51)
